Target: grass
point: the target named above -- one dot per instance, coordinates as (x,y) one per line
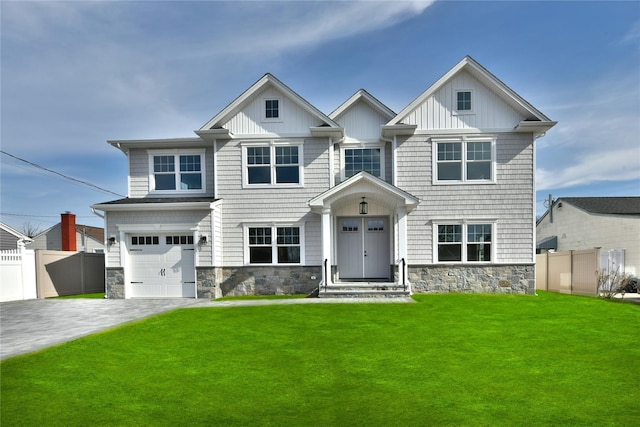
(447,360)
(260,297)
(98,295)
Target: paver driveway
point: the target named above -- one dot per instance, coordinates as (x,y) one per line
(27,326)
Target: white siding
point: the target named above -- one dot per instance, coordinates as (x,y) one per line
(139,173)
(489,111)
(510,200)
(270,205)
(362,122)
(201,218)
(250,120)
(579,230)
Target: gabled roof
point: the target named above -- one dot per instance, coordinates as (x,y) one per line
(363,95)
(268,79)
(535,120)
(604,205)
(14,232)
(382,189)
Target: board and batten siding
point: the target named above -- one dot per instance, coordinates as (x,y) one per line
(362,122)
(293,119)
(489,111)
(270,205)
(139,172)
(509,201)
(201,218)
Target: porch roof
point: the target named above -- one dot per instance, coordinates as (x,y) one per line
(367,185)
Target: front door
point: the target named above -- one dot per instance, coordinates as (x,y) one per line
(363,248)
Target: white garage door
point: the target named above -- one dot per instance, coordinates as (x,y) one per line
(162,266)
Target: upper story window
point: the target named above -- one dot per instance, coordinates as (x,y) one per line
(464,161)
(272,108)
(464,101)
(369,160)
(277,165)
(176,172)
(461,242)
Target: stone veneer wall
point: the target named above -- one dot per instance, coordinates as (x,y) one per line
(114,282)
(267,280)
(497,279)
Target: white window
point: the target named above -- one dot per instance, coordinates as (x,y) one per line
(457,242)
(179,172)
(274,244)
(271,109)
(463,101)
(464,161)
(273,165)
(356,159)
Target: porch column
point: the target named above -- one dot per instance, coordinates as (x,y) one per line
(326,244)
(401,213)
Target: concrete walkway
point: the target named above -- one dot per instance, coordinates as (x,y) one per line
(32,325)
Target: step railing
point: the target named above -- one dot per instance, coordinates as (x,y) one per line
(402,265)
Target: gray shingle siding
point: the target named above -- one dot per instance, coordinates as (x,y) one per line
(509,200)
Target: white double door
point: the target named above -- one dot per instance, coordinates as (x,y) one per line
(161,266)
(363,248)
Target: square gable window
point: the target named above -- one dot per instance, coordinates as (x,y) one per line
(271,108)
(463,101)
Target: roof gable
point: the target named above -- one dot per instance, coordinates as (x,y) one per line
(18,235)
(244,114)
(362,115)
(469,74)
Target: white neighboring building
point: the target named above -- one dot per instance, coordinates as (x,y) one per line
(578,223)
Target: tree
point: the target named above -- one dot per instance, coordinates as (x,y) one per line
(30,230)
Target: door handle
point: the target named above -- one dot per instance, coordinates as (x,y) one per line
(365,253)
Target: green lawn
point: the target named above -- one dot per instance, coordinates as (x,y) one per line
(98,295)
(447,360)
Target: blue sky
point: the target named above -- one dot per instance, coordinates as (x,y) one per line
(76,74)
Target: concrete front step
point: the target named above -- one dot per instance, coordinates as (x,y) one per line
(363,290)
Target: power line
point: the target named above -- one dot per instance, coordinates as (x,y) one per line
(62,175)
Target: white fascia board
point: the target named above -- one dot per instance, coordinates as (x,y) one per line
(125,145)
(182,206)
(538,128)
(211,135)
(398,130)
(325,131)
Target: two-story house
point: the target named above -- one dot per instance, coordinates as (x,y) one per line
(274,196)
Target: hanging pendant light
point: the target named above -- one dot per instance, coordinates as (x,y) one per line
(364,207)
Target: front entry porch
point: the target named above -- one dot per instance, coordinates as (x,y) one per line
(364,251)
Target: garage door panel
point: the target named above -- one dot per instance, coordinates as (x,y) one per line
(162,269)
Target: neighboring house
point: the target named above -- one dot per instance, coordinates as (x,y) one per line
(608,223)
(69,236)
(274,196)
(11,239)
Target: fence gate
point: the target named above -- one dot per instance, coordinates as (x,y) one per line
(17,275)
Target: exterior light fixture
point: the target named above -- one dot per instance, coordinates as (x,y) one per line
(364,207)
(203,240)
(112,240)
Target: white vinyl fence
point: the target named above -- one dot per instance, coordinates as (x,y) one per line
(17,275)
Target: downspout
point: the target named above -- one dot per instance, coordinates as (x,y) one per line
(332,178)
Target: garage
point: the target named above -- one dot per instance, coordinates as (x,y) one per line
(161,266)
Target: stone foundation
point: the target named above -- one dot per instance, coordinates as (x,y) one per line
(493,279)
(114,282)
(267,280)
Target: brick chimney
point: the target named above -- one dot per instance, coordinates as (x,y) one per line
(68,232)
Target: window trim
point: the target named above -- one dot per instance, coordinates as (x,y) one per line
(464,243)
(176,155)
(272,165)
(455,110)
(274,242)
(464,141)
(263,109)
(344,147)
